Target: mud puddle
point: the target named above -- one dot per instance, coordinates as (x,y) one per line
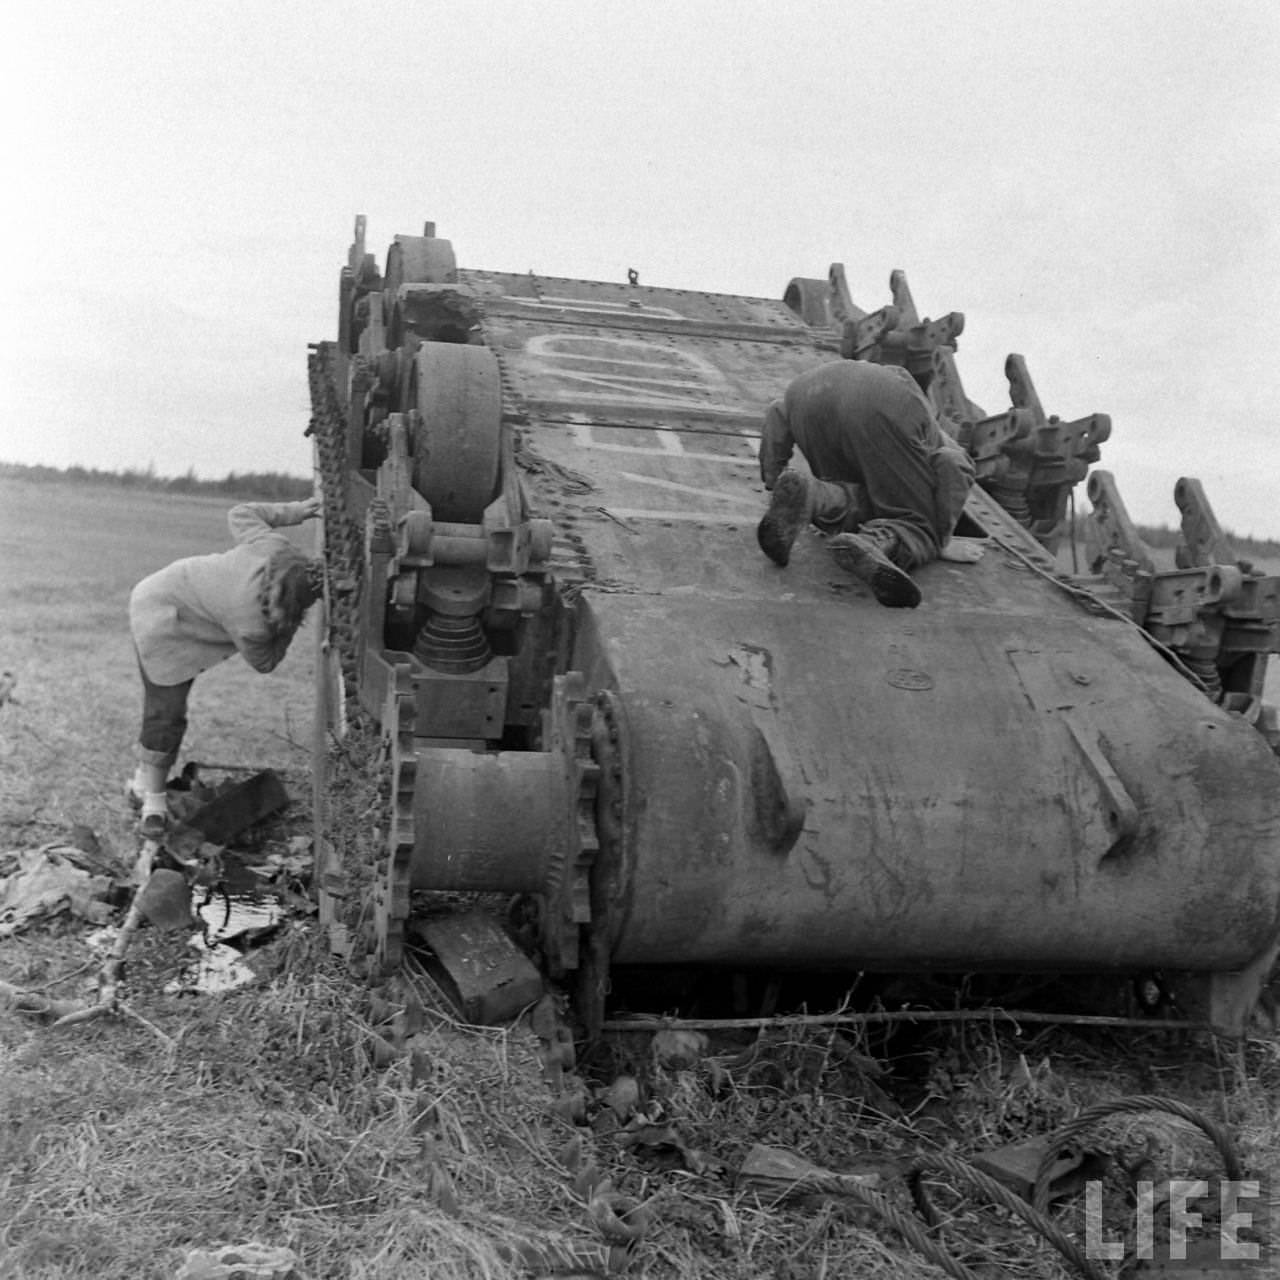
(253,899)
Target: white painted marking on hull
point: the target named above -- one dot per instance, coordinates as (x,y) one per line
(598,306)
(681,517)
(691,381)
(695,490)
(582,434)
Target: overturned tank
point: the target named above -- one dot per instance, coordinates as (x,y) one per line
(544,586)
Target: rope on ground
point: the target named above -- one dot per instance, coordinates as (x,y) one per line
(1036,1219)
(1070,1131)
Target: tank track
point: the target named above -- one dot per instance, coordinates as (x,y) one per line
(355,785)
(378,889)
(548,485)
(343,552)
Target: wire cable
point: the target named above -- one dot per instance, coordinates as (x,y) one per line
(1138,1102)
(1035,1218)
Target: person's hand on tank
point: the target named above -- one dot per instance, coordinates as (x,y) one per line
(962,550)
(313,506)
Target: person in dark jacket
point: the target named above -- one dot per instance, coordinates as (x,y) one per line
(887,482)
(196,612)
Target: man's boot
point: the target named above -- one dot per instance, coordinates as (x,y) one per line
(868,557)
(788,513)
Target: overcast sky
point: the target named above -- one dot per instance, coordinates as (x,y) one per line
(1093,184)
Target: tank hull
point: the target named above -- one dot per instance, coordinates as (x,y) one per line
(947,771)
(600,693)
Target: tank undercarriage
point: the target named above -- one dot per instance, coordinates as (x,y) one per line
(596,698)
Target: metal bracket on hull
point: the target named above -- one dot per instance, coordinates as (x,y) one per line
(1111,825)
(1217,614)
(897,335)
(1030,461)
(1119,812)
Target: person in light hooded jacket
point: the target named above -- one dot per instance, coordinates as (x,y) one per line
(198,611)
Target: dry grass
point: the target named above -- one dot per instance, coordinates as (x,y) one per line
(272,1119)
(377,1138)
(278,1117)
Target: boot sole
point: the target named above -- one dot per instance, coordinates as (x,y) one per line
(778,530)
(891,586)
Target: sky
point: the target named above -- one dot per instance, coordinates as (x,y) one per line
(1094,185)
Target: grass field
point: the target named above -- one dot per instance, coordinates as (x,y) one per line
(303,1113)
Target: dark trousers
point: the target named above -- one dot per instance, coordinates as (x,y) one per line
(164,720)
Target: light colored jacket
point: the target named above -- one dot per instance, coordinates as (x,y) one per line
(196,612)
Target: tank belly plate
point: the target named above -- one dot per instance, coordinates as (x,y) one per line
(996,778)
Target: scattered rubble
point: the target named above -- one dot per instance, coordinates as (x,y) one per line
(77,876)
(36,884)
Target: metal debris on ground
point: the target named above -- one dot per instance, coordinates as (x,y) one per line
(1017,1165)
(295,863)
(41,882)
(487,976)
(233,808)
(208,819)
(239,1262)
(776,1174)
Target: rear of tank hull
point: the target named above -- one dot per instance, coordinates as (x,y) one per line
(970,793)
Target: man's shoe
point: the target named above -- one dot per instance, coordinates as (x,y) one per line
(863,558)
(788,513)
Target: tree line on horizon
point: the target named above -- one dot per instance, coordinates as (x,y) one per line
(269,486)
(277,486)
